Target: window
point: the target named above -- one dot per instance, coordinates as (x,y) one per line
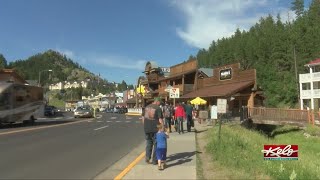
(316,85)
(306,86)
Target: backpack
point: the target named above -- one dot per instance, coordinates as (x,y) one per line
(167,112)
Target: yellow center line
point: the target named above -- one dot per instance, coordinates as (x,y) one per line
(131,165)
(43,127)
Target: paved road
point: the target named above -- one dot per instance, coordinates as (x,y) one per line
(71,151)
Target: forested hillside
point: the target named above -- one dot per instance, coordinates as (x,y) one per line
(63,69)
(272,46)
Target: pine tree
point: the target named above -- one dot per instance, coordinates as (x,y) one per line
(3,62)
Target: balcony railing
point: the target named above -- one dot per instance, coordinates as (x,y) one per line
(307,94)
(303,78)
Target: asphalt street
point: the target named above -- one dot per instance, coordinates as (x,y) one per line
(69,151)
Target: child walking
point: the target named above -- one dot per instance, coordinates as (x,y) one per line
(161,150)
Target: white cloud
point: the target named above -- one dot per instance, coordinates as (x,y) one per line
(208,20)
(107,61)
(119,62)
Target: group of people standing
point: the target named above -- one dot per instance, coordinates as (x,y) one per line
(158,121)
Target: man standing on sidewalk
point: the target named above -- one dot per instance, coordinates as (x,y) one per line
(189,109)
(151,117)
(180,115)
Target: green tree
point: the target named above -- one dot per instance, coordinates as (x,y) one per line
(298,7)
(3,62)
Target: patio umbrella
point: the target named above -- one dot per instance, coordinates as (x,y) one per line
(198,101)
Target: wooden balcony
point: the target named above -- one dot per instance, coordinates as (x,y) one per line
(183,89)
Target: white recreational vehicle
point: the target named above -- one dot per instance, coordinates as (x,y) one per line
(20,103)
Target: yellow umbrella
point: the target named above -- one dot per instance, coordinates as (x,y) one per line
(198,101)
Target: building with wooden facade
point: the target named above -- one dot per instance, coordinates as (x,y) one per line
(238,86)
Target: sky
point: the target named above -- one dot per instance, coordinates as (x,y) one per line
(116,38)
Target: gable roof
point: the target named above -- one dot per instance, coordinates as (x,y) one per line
(207,71)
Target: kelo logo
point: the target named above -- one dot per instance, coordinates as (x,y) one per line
(280,152)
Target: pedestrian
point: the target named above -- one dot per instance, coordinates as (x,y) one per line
(151,117)
(161,151)
(180,115)
(189,109)
(168,113)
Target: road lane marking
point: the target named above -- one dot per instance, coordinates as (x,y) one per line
(113,118)
(99,121)
(131,165)
(101,127)
(127,121)
(108,121)
(118,121)
(43,127)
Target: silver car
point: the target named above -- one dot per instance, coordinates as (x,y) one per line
(84,111)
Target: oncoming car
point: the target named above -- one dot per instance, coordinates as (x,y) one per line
(84,111)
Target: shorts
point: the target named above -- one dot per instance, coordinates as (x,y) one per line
(161,153)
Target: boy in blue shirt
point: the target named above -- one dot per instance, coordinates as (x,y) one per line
(161,150)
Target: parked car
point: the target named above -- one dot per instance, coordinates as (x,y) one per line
(50,110)
(84,111)
(109,110)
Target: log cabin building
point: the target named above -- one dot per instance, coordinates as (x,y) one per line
(238,86)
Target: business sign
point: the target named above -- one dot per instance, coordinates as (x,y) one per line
(225,74)
(214,112)
(174,93)
(168,88)
(280,152)
(222,106)
(165,69)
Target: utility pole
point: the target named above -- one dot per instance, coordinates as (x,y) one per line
(296,71)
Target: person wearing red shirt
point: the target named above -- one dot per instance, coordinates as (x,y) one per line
(180,115)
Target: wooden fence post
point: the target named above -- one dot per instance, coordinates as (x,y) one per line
(312,117)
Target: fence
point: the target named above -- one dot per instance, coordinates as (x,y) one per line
(281,115)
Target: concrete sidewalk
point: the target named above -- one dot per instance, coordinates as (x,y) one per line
(181,160)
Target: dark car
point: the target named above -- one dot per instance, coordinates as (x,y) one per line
(49,111)
(109,110)
(84,111)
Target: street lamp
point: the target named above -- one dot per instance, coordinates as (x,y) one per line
(49,70)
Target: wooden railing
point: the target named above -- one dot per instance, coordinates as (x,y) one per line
(275,114)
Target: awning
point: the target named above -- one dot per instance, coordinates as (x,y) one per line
(223,90)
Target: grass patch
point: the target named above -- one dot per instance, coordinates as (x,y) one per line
(57,103)
(313,130)
(240,150)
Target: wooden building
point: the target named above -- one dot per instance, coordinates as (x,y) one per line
(228,82)
(10,75)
